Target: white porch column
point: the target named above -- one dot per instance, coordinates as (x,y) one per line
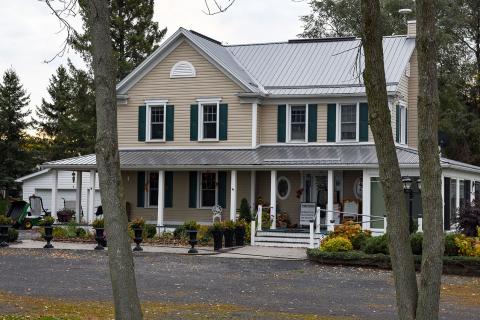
(443,200)
(366,201)
(54,194)
(78,196)
(472,191)
(330,189)
(161,200)
(273,199)
(254,124)
(253,177)
(457,200)
(91,203)
(233,195)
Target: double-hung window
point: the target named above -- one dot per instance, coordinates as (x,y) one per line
(348,122)
(209,120)
(152,194)
(297,123)
(403,124)
(208,189)
(156,121)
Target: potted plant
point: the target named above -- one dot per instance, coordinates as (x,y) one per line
(192,230)
(217,233)
(240,226)
(47,224)
(5,224)
(137,226)
(99,226)
(65,215)
(229,233)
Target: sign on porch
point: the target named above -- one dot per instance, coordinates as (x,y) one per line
(307,212)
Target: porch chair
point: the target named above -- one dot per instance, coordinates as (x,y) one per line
(217,213)
(351,209)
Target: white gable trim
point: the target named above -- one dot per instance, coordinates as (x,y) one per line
(32,175)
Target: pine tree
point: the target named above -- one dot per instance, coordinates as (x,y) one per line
(14,161)
(68,121)
(134,35)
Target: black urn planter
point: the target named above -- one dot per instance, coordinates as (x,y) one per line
(138,238)
(192,240)
(239,237)
(228,234)
(4,235)
(217,239)
(48,237)
(100,238)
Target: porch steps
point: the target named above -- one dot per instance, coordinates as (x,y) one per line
(286,239)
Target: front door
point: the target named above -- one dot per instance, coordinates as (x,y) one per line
(316,191)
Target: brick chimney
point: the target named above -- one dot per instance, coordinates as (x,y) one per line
(411,28)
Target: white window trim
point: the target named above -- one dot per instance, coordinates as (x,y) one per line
(289,187)
(147,193)
(150,104)
(403,123)
(199,192)
(202,102)
(289,119)
(339,122)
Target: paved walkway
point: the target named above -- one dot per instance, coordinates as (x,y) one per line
(242,252)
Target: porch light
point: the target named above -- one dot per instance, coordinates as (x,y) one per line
(407,183)
(419,184)
(73,176)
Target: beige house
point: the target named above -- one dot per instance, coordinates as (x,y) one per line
(203,124)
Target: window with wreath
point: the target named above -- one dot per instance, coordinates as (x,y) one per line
(208,189)
(283,188)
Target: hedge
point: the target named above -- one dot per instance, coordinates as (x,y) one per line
(459,265)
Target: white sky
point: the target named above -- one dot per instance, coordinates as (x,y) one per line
(30,34)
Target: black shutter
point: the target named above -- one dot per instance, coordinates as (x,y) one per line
(331,122)
(194,122)
(363,136)
(142,122)
(446,203)
(168,201)
(170,123)
(467,188)
(192,198)
(223,129)
(222,189)
(312,123)
(281,123)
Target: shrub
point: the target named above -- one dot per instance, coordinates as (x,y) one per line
(451,248)
(150,230)
(265,219)
(180,232)
(98,223)
(336,244)
(12,235)
(191,225)
(80,232)
(240,224)
(469,219)
(468,246)
(416,243)
(204,236)
(359,241)
(353,232)
(245,212)
(6,221)
(60,233)
(376,245)
(248,232)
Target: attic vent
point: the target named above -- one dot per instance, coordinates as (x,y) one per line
(183,69)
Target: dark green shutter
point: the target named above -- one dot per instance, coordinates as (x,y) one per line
(467,189)
(192,197)
(363,136)
(406,125)
(281,123)
(331,122)
(312,123)
(398,122)
(170,123)
(446,203)
(222,189)
(141,189)
(194,122)
(223,130)
(142,122)
(168,201)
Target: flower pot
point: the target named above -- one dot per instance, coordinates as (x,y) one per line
(239,237)
(48,236)
(228,234)
(4,235)
(138,238)
(192,240)
(100,238)
(217,239)
(64,216)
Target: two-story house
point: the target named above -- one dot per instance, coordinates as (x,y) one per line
(203,124)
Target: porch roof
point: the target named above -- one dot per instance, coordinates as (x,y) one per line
(264,157)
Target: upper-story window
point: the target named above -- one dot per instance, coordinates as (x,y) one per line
(402,123)
(297,123)
(348,122)
(155,126)
(209,116)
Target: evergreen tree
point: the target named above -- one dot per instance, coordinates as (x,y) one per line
(134,35)
(14,161)
(67,123)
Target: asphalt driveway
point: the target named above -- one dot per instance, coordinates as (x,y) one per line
(297,287)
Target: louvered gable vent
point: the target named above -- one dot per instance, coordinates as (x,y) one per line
(183,69)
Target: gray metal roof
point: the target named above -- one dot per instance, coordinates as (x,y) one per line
(264,157)
(318,67)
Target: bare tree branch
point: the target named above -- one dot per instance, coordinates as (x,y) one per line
(67,9)
(217,7)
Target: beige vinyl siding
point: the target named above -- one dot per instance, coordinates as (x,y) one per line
(412,102)
(322,123)
(182,92)
(268,124)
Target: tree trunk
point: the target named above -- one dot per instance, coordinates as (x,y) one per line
(122,273)
(390,176)
(430,170)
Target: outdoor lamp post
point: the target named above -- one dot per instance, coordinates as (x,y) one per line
(407,187)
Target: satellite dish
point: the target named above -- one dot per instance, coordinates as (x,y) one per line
(405,11)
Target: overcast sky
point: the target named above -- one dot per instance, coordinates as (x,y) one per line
(30,34)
